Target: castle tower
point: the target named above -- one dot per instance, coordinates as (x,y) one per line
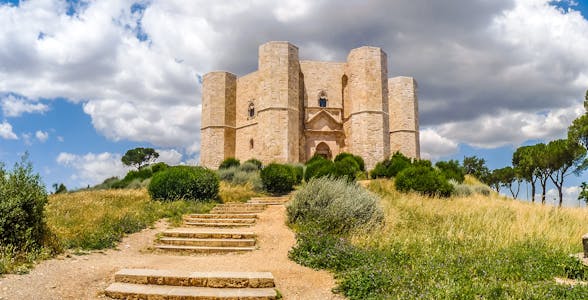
(217,131)
(279,103)
(404,121)
(368,96)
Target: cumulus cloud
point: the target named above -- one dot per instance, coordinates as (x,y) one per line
(13,106)
(42,136)
(170,156)
(490,72)
(570,196)
(6,131)
(91,168)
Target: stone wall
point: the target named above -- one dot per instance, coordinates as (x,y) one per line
(404,122)
(246,129)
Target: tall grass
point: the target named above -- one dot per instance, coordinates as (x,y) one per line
(236,192)
(99,219)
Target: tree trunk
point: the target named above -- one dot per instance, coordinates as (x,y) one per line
(533,190)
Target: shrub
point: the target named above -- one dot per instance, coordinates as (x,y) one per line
(380,170)
(298,172)
(249,167)
(315,158)
(229,162)
(335,206)
(158,167)
(461,190)
(357,159)
(424,180)
(451,170)
(241,177)
(184,182)
(482,190)
(256,162)
(278,178)
(227,174)
(22,201)
(318,168)
(346,168)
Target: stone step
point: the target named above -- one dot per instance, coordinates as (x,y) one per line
(236,210)
(274,203)
(241,204)
(219,220)
(268,199)
(202,249)
(223,216)
(201,279)
(120,290)
(224,225)
(207,242)
(208,234)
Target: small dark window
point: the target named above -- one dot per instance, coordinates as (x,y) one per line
(323,99)
(251,144)
(251,110)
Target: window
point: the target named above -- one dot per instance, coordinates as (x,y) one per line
(251,110)
(251,144)
(323,99)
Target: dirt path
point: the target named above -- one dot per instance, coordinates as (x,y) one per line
(86,276)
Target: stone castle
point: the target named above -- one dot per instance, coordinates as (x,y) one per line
(289,110)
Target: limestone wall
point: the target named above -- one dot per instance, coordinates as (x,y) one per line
(218,118)
(323,76)
(404,122)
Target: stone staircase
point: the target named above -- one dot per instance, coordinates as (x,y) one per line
(269,200)
(189,240)
(168,284)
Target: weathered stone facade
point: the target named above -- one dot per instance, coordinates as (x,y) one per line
(288,109)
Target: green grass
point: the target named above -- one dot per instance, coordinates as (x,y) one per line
(99,219)
(477,247)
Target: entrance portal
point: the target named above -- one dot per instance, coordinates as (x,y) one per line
(323,150)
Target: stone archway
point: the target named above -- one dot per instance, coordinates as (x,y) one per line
(323,150)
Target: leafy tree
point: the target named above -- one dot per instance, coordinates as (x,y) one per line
(524,162)
(476,166)
(493,180)
(543,167)
(506,177)
(59,188)
(451,170)
(564,157)
(584,192)
(139,157)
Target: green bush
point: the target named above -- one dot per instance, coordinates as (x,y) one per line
(451,170)
(423,179)
(482,190)
(335,206)
(256,162)
(278,178)
(249,167)
(346,168)
(227,174)
(461,190)
(158,167)
(184,182)
(22,201)
(229,162)
(318,168)
(315,158)
(391,167)
(357,159)
(298,172)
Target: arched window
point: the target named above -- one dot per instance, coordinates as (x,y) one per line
(323,150)
(251,110)
(323,99)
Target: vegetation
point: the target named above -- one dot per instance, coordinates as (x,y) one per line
(451,170)
(345,165)
(424,180)
(237,193)
(59,188)
(358,159)
(229,163)
(254,161)
(334,206)
(464,248)
(184,182)
(389,168)
(476,167)
(139,157)
(278,178)
(318,167)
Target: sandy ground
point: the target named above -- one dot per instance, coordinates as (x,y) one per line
(86,276)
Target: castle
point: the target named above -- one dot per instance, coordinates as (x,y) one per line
(289,110)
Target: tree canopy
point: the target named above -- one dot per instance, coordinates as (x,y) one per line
(139,157)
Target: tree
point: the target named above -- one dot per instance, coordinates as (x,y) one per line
(506,177)
(584,193)
(564,157)
(524,162)
(477,167)
(451,169)
(139,157)
(59,188)
(543,168)
(493,180)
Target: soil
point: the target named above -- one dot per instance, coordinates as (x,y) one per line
(72,276)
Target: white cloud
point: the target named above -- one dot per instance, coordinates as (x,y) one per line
(6,131)
(15,106)
(570,196)
(90,168)
(170,156)
(435,146)
(42,136)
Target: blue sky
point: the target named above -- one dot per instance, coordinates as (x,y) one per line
(83,81)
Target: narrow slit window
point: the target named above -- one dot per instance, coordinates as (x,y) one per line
(323,99)
(251,110)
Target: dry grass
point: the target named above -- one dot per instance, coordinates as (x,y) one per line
(236,193)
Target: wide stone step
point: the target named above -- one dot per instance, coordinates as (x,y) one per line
(207,242)
(236,210)
(268,199)
(222,225)
(201,279)
(223,216)
(120,290)
(202,249)
(208,234)
(241,204)
(274,203)
(219,220)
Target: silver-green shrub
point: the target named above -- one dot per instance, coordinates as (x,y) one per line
(335,206)
(227,174)
(248,167)
(482,190)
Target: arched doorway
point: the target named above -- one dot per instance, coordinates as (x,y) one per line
(323,150)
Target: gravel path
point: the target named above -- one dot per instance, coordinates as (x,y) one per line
(86,276)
